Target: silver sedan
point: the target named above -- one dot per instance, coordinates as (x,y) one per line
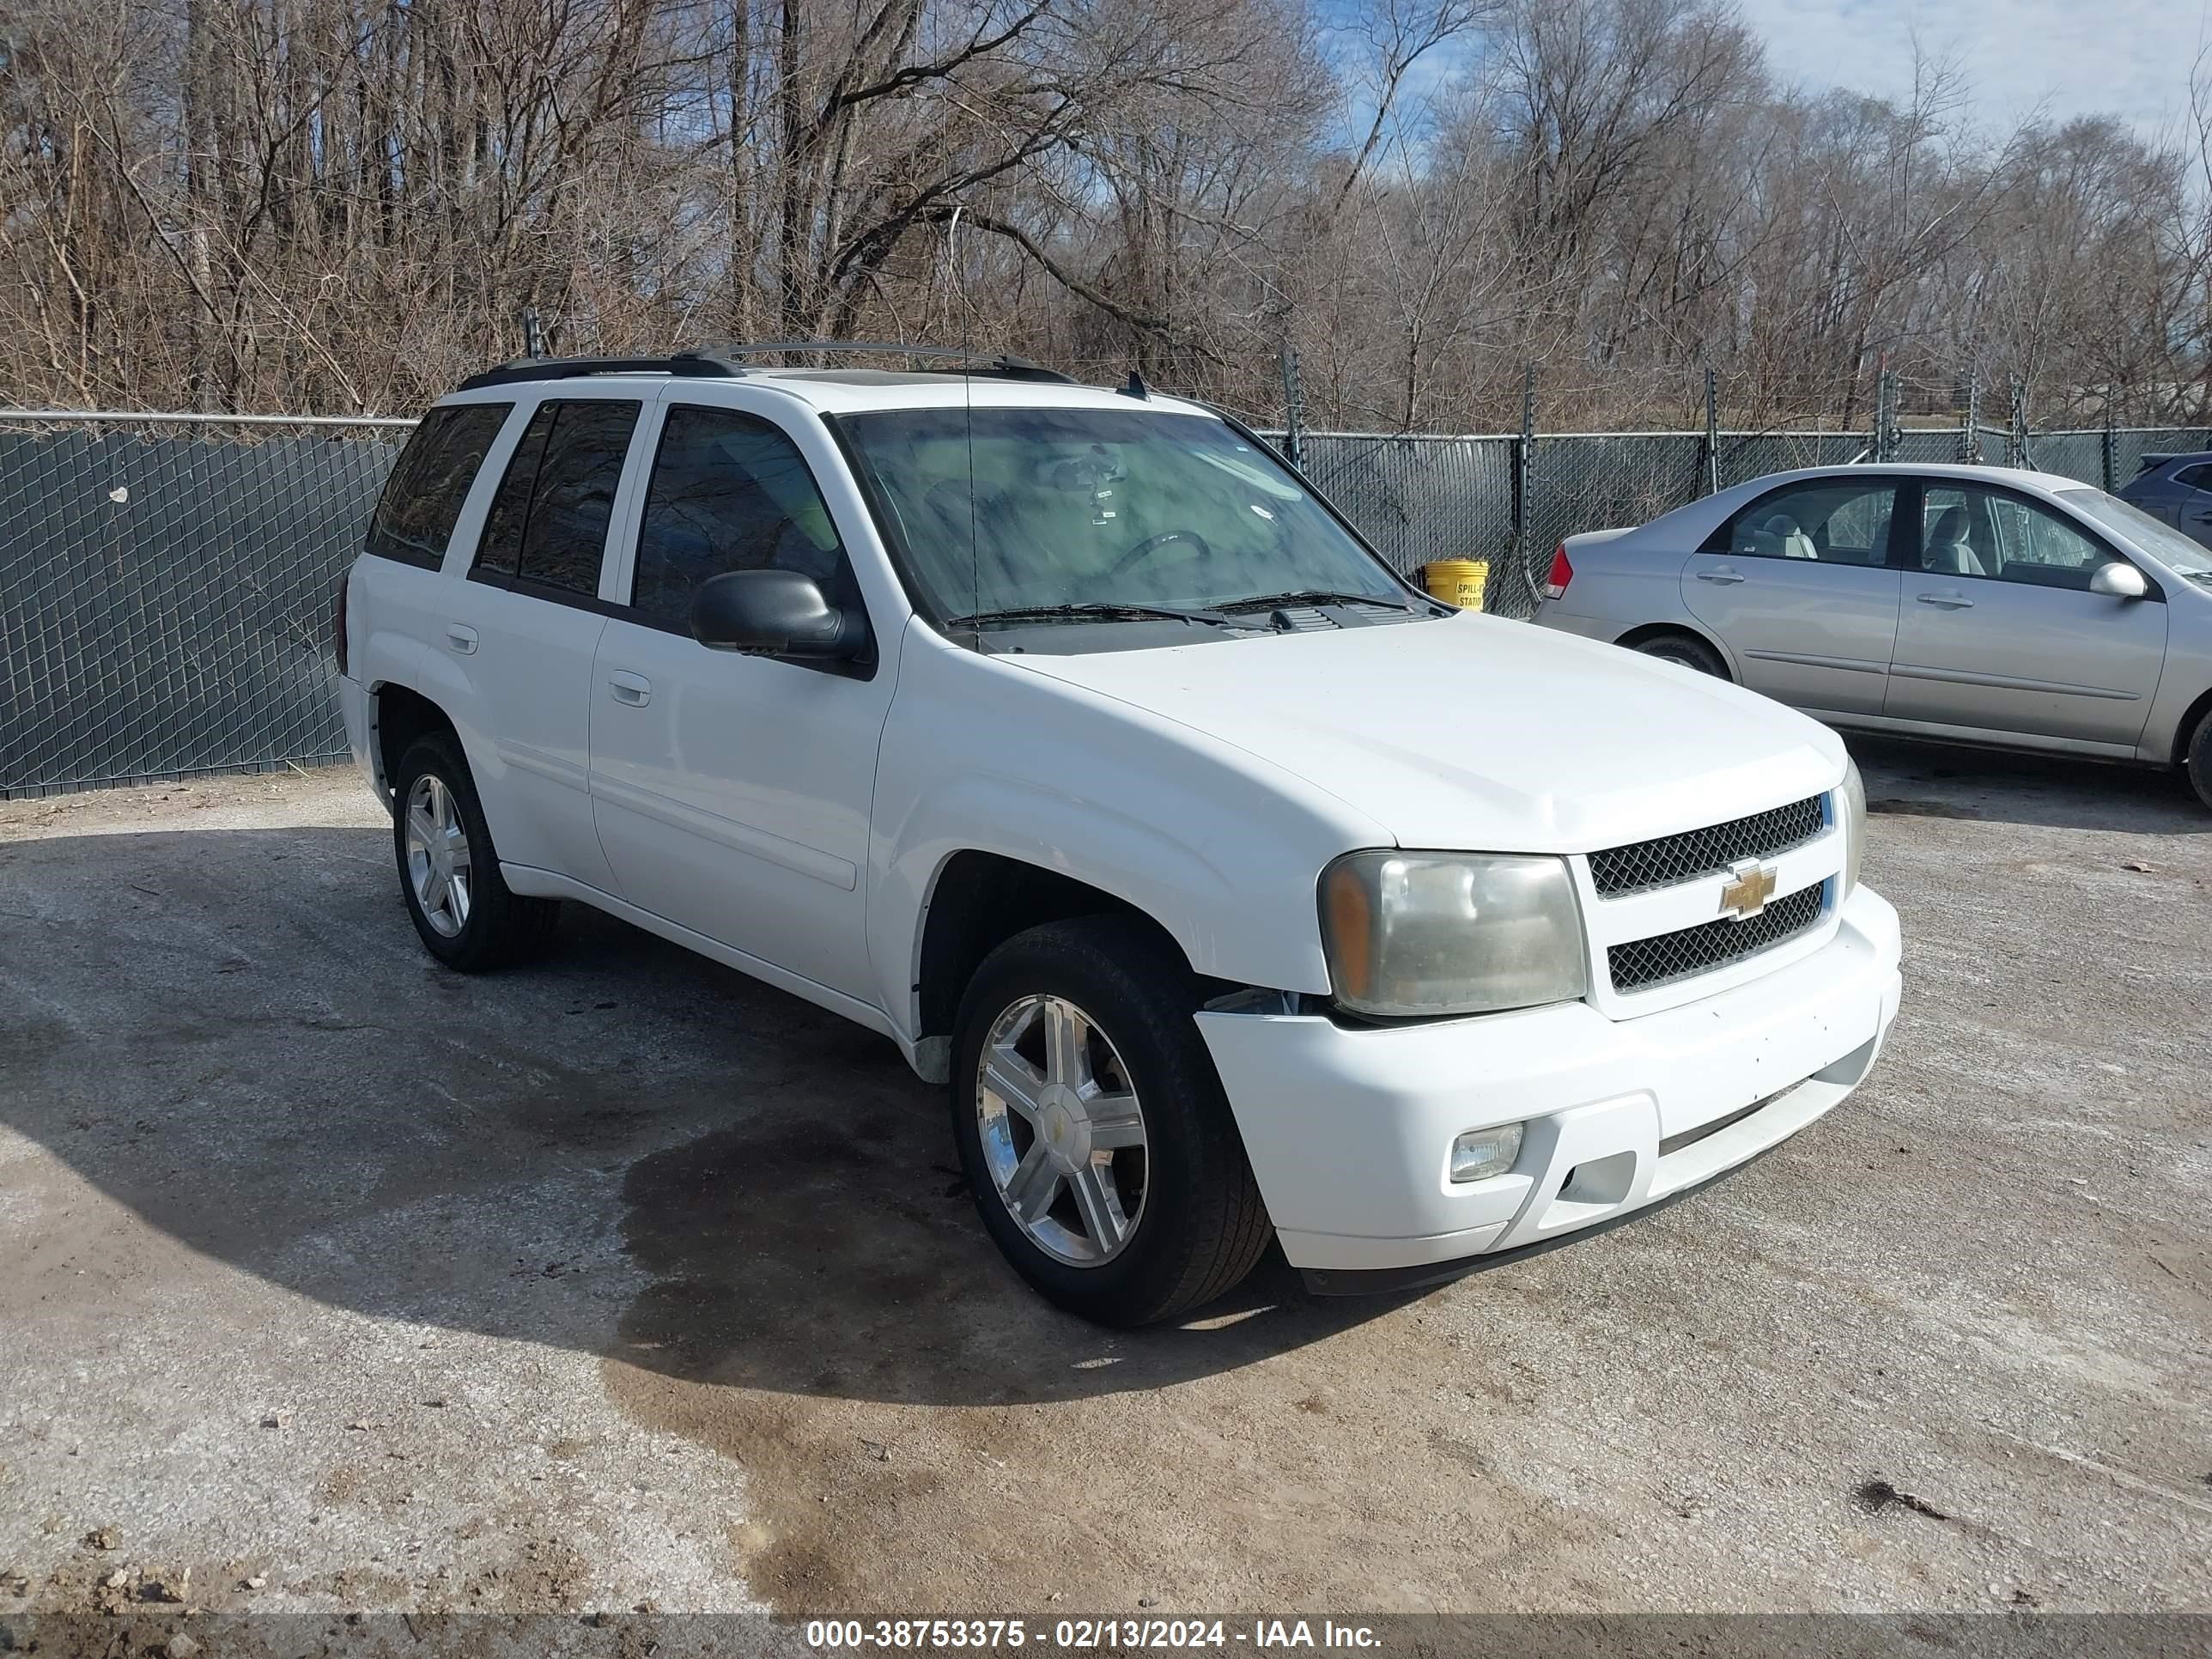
(1976,605)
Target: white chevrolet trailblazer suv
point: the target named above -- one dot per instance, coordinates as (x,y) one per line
(1238,889)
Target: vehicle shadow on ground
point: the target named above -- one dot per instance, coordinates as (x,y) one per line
(624,1149)
(1909,777)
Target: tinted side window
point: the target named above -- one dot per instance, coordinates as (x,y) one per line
(501,545)
(729,492)
(566,533)
(1834,520)
(430,480)
(2193,477)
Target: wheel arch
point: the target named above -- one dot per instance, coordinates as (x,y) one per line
(398,716)
(977,901)
(1636,637)
(2185,728)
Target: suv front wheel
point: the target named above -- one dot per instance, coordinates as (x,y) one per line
(449,875)
(1092,1128)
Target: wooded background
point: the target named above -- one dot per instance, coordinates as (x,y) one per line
(335,206)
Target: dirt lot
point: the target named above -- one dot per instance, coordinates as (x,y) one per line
(348,1283)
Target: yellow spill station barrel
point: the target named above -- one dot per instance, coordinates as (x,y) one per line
(1457,581)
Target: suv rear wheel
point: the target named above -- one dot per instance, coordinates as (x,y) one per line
(449,871)
(1092,1128)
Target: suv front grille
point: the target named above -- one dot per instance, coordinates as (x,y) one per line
(1674,858)
(1643,964)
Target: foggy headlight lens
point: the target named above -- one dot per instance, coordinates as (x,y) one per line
(1414,934)
(1851,810)
(1481,1153)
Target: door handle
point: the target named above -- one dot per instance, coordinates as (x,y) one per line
(1948,601)
(1722,574)
(634,690)
(461,637)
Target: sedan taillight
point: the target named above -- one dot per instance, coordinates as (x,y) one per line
(1555,584)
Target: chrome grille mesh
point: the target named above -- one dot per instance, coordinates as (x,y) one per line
(1694,853)
(1643,964)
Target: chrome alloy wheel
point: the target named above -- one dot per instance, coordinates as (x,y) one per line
(437,855)
(1063,1134)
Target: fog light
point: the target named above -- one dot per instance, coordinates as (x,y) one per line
(1481,1153)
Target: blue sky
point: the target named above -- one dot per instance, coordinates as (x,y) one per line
(2126,57)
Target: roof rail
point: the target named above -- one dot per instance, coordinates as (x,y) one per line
(569,369)
(728,361)
(1002,365)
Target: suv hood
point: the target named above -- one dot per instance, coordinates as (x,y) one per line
(1479,734)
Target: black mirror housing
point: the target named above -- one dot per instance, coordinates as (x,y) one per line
(775,613)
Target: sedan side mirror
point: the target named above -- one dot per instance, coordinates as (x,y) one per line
(2118,580)
(775,613)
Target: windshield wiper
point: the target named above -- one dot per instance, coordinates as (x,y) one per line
(1310,596)
(1049,613)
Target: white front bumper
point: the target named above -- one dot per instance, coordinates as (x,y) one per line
(1349,1129)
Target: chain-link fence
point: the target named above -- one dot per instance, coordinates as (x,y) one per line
(166,591)
(166,583)
(1422,497)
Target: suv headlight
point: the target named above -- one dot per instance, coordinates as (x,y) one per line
(1423,934)
(1851,810)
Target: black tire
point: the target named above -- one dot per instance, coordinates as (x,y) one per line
(501,927)
(1686,649)
(1201,1224)
(2196,759)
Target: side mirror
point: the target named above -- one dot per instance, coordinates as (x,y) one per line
(2117,580)
(775,613)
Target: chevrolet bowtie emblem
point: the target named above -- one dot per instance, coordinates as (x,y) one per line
(1751,883)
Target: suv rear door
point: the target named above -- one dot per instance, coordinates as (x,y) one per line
(522,628)
(732,792)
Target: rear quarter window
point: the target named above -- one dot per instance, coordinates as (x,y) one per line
(423,498)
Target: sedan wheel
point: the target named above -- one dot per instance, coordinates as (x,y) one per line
(1062,1131)
(1691,654)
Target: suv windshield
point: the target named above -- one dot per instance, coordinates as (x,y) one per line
(2161,540)
(1084,512)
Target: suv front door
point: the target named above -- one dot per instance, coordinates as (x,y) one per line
(731,792)
(2001,634)
(1800,586)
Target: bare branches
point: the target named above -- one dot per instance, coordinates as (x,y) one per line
(340,204)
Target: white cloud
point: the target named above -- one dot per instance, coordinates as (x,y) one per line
(2128,59)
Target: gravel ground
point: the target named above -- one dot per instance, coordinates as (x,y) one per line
(347,1283)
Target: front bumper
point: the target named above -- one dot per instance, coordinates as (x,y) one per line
(1349,1129)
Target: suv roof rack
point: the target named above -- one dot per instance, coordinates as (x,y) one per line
(728,361)
(569,369)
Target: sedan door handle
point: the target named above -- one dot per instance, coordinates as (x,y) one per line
(461,637)
(1721,574)
(634,690)
(1948,601)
